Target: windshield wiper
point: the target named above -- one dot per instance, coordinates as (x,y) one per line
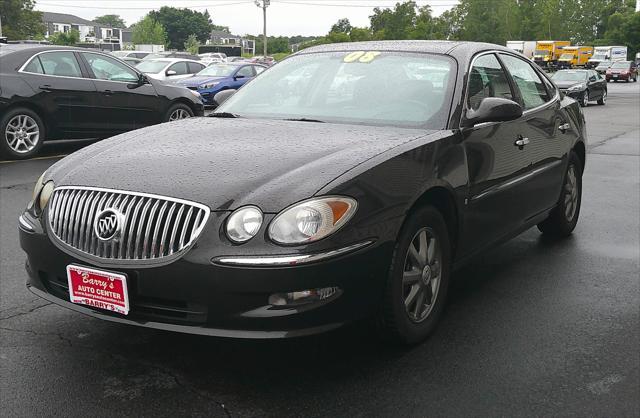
(224,115)
(305,120)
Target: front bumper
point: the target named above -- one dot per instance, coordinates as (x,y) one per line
(574,94)
(208,298)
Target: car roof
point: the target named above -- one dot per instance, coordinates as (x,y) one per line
(172,60)
(458,49)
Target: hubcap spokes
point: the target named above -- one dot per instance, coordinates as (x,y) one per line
(422,275)
(570,194)
(22,134)
(179,114)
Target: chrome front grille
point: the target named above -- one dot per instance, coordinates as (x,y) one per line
(151,227)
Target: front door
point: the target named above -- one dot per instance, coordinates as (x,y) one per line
(496,164)
(122,103)
(63,92)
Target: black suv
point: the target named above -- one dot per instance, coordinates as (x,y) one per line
(72,93)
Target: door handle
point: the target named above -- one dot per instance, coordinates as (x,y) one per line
(107,92)
(521,142)
(46,88)
(564,127)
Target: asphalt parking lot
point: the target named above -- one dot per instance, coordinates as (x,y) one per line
(534,327)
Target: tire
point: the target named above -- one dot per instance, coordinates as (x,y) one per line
(584,101)
(603,100)
(563,218)
(178,111)
(22,133)
(430,277)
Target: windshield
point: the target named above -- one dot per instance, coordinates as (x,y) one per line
(623,65)
(599,57)
(567,56)
(604,64)
(217,70)
(152,67)
(154,56)
(370,88)
(120,53)
(542,52)
(570,76)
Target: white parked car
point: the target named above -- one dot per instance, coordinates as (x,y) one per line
(209,58)
(170,69)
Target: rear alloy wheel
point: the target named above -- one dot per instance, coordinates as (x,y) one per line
(22,134)
(603,100)
(564,217)
(179,111)
(585,99)
(418,281)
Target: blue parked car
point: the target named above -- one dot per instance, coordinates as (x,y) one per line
(217,77)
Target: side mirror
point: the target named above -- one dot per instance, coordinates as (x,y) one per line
(492,109)
(169,73)
(223,95)
(142,80)
(238,76)
(592,78)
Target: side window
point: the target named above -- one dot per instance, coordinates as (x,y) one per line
(531,87)
(245,71)
(487,79)
(34,66)
(105,68)
(60,63)
(194,67)
(258,69)
(179,67)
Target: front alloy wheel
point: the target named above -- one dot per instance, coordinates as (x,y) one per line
(421,277)
(416,288)
(179,114)
(585,99)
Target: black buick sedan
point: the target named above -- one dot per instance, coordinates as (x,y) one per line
(49,92)
(352,196)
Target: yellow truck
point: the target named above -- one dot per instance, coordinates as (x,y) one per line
(547,53)
(574,56)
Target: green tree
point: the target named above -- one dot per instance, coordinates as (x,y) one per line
(180,23)
(115,21)
(191,44)
(359,34)
(20,21)
(148,31)
(65,38)
(343,26)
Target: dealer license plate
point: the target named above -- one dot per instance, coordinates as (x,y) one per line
(98,289)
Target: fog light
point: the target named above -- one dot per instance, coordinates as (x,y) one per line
(302,297)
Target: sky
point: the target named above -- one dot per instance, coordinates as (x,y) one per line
(284,17)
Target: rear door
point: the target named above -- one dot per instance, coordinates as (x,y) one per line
(63,91)
(548,132)
(181,69)
(496,165)
(122,103)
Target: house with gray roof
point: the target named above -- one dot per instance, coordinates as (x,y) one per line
(90,32)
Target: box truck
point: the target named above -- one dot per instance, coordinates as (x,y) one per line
(574,56)
(607,53)
(547,53)
(526,48)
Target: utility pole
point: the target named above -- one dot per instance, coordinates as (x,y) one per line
(263,5)
(0,25)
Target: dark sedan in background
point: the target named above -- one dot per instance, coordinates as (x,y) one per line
(582,85)
(352,197)
(218,77)
(72,93)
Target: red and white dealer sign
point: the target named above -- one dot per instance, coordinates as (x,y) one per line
(99,289)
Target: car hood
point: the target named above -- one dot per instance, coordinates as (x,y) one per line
(228,163)
(567,84)
(195,81)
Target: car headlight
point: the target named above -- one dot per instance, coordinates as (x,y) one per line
(37,189)
(208,85)
(577,87)
(45,195)
(41,194)
(244,224)
(311,220)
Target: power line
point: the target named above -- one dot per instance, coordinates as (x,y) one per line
(304,3)
(204,6)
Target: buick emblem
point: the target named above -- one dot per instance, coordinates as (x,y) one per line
(108,224)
